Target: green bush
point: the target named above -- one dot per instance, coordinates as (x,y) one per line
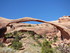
(38,36)
(16,44)
(1,44)
(19,33)
(8,35)
(17,38)
(55,38)
(46,47)
(29,25)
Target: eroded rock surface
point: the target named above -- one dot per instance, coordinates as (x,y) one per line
(48,28)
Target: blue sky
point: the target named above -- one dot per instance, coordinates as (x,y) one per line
(47,10)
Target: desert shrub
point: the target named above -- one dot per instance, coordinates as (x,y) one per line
(55,38)
(31,32)
(16,44)
(29,25)
(38,36)
(1,44)
(19,33)
(36,39)
(64,48)
(46,47)
(17,36)
(8,35)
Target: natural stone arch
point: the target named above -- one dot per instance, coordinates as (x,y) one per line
(65,33)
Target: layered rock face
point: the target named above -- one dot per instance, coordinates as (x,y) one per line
(64,19)
(61,27)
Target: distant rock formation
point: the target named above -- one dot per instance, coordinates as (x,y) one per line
(61,27)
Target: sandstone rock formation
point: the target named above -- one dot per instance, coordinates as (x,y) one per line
(64,19)
(61,27)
